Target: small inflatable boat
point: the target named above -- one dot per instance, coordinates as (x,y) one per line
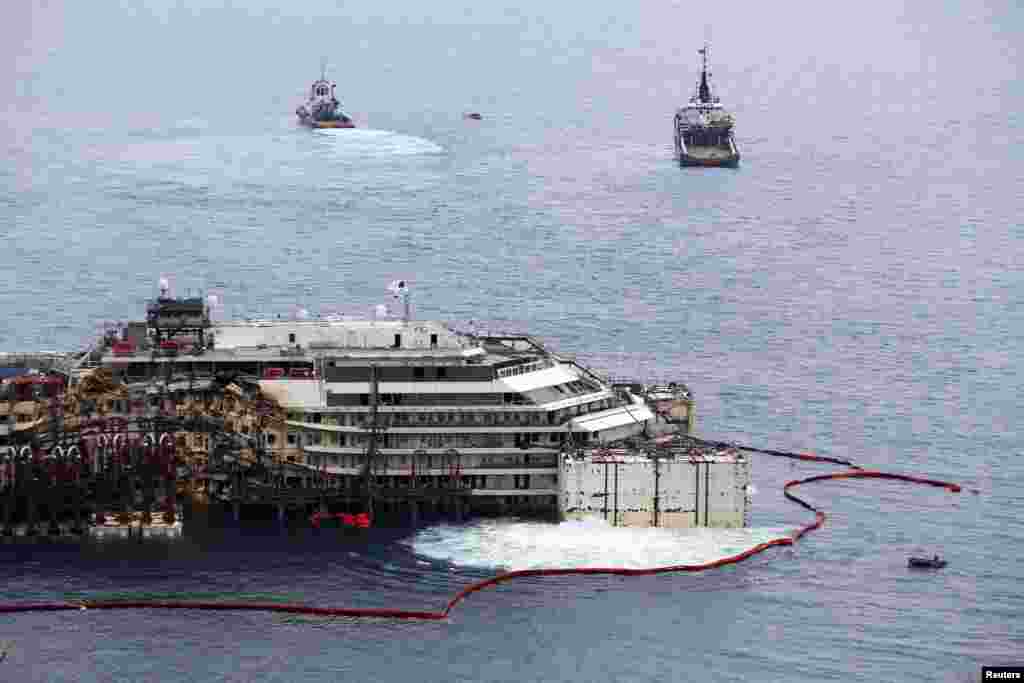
(926,562)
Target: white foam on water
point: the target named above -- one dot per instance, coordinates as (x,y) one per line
(510,545)
(190,156)
(377,143)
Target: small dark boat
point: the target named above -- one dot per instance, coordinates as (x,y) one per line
(926,562)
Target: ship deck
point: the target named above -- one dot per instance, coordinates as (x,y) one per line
(709,156)
(710,153)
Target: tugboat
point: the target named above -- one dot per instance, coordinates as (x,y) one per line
(322,109)
(703,128)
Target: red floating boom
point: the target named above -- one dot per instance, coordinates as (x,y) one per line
(362,520)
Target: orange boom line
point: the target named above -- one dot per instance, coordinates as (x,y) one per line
(819,520)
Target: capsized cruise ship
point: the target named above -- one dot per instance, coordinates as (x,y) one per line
(403,400)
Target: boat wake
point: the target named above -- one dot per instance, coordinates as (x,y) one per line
(360,142)
(511,545)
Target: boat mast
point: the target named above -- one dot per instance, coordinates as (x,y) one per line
(704,90)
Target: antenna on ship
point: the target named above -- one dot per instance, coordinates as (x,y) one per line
(704,91)
(323,68)
(212,304)
(400,290)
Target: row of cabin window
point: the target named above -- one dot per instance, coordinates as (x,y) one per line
(473,482)
(432,418)
(421,440)
(433,461)
(342,400)
(417,399)
(453,418)
(397,344)
(335,372)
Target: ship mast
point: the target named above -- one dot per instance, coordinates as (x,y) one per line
(704,90)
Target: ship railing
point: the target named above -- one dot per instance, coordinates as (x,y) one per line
(623,380)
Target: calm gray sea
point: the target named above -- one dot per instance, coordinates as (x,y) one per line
(854,288)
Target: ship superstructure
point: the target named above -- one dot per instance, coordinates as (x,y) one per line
(703,129)
(399,402)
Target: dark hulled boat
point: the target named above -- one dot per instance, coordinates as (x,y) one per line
(703,128)
(926,562)
(322,109)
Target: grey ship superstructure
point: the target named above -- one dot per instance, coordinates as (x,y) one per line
(703,129)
